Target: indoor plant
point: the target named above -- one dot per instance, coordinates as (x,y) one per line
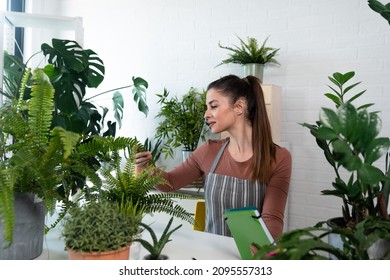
(34,157)
(251,55)
(101,230)
(181,121)
(349,138)
(156,245)
(122,184)
(72,70)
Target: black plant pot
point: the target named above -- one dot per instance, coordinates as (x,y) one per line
(161,257)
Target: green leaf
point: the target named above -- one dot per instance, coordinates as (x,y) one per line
(370,174)
(330,119)
(118,104)
(347,115)
(139,91)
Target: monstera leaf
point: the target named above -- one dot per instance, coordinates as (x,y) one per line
(71,70)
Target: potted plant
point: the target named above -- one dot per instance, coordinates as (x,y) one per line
(349,138)
(181,121)
(101,230)
(72,70)
(156,245)
(34,160)
(60,104)
(252,56)
(121,183)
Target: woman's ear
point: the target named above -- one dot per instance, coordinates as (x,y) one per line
(240,107)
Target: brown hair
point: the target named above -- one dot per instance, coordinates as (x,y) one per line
(249,89)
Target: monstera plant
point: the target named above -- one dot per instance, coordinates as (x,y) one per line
(72,70)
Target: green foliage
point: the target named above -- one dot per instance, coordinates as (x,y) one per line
(101,226)
(33,153)
(250,52)
(157,245)
(383,10)
(308,243)
(349,138)
(72,70)
(121,182)
(181,121)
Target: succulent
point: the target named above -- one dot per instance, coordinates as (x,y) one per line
(157,245)
(101,226)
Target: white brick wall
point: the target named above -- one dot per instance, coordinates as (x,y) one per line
(174,44)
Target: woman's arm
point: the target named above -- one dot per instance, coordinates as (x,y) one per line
(276,194)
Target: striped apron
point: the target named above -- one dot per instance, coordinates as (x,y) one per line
(225,192)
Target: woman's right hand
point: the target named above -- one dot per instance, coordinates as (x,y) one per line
(141,161)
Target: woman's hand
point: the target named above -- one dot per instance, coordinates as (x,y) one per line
(141,161)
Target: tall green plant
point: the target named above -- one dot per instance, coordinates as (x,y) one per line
(33,152)
(181,121)
(383,10)
(72,70)
(349,137)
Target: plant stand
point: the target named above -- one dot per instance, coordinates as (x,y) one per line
(29,229)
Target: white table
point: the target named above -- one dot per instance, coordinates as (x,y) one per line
(186,243)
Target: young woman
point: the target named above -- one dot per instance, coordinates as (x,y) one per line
(245,169)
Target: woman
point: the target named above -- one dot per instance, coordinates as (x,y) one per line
(244,169)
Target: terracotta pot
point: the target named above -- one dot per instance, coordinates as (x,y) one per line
(120,254)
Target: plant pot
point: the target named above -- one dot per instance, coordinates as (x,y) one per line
(375,251)
(161,257)
(29,229)
(254,69)
(120,254)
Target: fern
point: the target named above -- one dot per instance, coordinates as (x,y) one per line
(38,156)
(122,183)
(7,215)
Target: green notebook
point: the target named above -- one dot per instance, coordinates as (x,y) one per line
(247,226)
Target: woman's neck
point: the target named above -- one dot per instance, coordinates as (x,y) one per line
(240,145)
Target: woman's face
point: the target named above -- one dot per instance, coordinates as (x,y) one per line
(220,113)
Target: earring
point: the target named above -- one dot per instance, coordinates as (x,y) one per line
(239,113)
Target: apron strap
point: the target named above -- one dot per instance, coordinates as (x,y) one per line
(218,156)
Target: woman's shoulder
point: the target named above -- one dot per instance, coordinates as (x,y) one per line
(282,154)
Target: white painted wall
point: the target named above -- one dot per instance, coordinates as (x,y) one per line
(174,44)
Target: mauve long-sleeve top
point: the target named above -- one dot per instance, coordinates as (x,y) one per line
(199,164)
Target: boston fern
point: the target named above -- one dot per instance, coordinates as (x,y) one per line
(121,183)
(250,52)
(33,153)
